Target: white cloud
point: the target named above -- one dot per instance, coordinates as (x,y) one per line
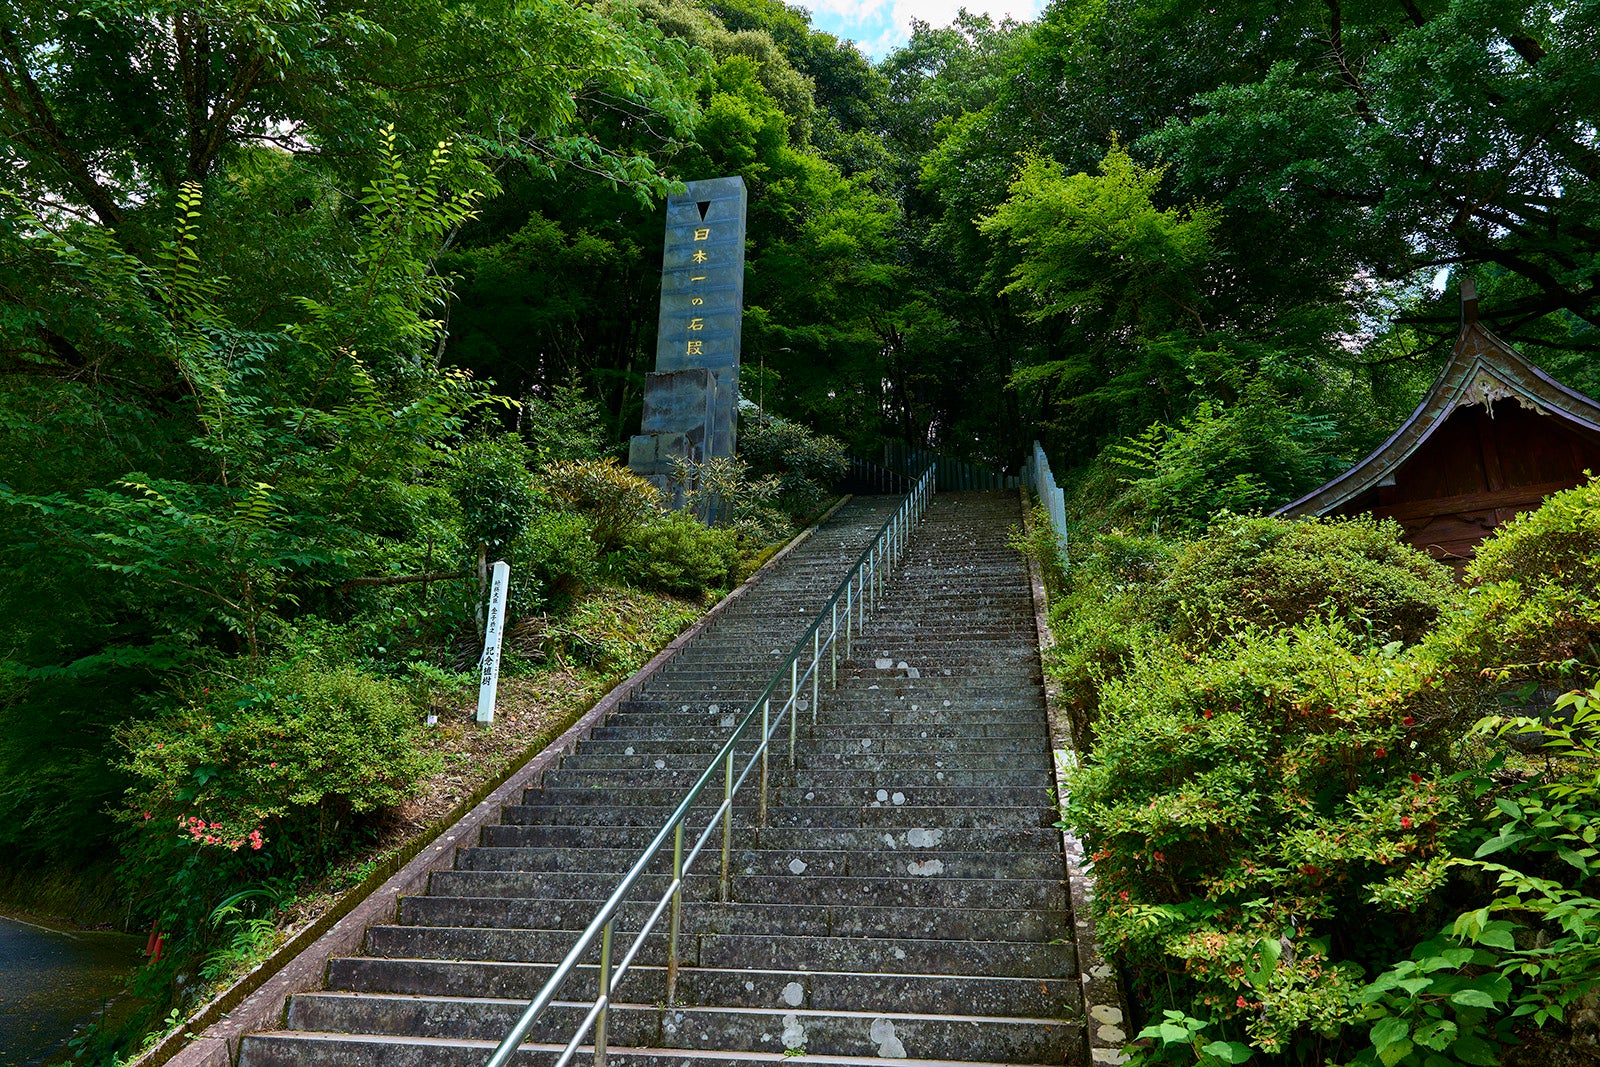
(879,25)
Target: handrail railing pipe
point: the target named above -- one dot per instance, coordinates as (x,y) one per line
(864,584)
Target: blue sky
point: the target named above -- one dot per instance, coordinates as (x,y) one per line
(879,25)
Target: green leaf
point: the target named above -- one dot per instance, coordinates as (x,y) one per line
(1390,1030)
(1472,998)
(1228,1051)
(1474,1050)
(1393,1054)
(1437,1035)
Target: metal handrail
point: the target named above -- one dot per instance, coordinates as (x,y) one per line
(857,594)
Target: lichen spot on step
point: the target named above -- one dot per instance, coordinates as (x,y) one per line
(793,994)
(727,720)
(883,663)
(628,751)
(919,838)
(713,709)
(912,672)
(883,1035)
(898,799)
(797,866)
(926,868)
(661,764)
(883,794)
(794,1032)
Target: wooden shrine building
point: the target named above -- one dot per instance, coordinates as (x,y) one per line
(1494,436)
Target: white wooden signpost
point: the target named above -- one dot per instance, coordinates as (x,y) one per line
(489,666)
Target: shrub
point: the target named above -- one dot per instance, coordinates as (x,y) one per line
(1101,617)
(494,489)
(1255,571)
(308,741)
(1276,791)
(611,497)
(565,424)
(807,465)
(553,560)
(1533,614)
(676,554)
(721,492)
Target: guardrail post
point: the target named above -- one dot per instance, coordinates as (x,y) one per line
(833,643)
(727,825)
(766,728)
(605,994)
(794,704)
(849,618)
(677,914)
(816,678)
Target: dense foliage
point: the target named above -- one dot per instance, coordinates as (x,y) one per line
(1322,825)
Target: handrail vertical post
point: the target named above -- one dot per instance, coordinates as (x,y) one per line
(816,676)
(794,703)
(677,914)
(849,616)
(605,994)
(727,824)
(766,716)
(833,643)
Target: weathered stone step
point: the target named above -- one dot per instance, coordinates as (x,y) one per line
(667,797)
(992,817)
(912,841)
(869,758)
(865,863)
(781,920)
(993,977)
(1028,728)
(286,1048)
(904,891)
(848,1033)
(828,753)
(820,779)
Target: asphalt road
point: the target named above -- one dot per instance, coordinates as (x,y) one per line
(52,982)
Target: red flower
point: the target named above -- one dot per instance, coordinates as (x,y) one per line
(1243,1003)
(1407,721)
(1158,857)
(1416,779)
(1123,895)
(255,839)
(1206,713)
(1380,752)
(1405,822)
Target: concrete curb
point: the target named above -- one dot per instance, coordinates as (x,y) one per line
(259,999)
(1106,1011)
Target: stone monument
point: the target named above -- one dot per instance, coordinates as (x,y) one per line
(691,402)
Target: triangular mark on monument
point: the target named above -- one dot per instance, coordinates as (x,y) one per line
(703,206)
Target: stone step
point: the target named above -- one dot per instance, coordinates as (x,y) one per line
(903,891)
(847,1033)
(284,1048)
(1039,984)
(824,753)
(913,841)
(593,789)
(822,780)
(856,864)
(864,761)
(775,920)
(996,818)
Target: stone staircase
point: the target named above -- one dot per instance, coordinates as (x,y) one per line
(905,900)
